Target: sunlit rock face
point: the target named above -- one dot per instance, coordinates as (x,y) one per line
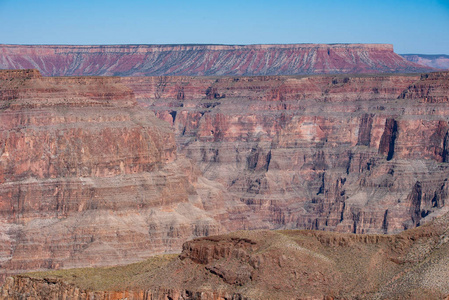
(99,171)
(88,179)
(363,154)
(206,60)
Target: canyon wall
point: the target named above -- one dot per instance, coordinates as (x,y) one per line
(362,154)
(92,174)
(89,179)
(206,60)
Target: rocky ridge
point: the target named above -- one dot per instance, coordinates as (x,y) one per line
(287,264)
(206,60)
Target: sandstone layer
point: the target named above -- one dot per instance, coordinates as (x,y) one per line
(87,178)
(200,60)
(267,265)
(433,61)
(362,154)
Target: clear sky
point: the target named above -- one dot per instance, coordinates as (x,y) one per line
(412,26)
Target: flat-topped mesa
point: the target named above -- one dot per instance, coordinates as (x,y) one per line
(29,49)
(206,60)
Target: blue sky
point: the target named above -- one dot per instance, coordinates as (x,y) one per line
(411,26)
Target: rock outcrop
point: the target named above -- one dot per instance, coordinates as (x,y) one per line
(267,265)
(433,61)
(362,154)
(88,179)
(201,60)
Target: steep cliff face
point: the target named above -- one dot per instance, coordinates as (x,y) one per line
(344,153)
(432,88)
(286,264)
(87,179)
(200,60)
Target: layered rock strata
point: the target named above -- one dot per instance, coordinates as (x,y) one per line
(362,154)
(88,179)
(201,60)
(268,265)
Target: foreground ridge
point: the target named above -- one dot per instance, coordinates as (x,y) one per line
(267,265)
(206,60)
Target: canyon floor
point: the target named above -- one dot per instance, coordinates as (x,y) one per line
(286,264)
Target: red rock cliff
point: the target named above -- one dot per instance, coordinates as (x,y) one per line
(200,60)
(364,154)
(87,179)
